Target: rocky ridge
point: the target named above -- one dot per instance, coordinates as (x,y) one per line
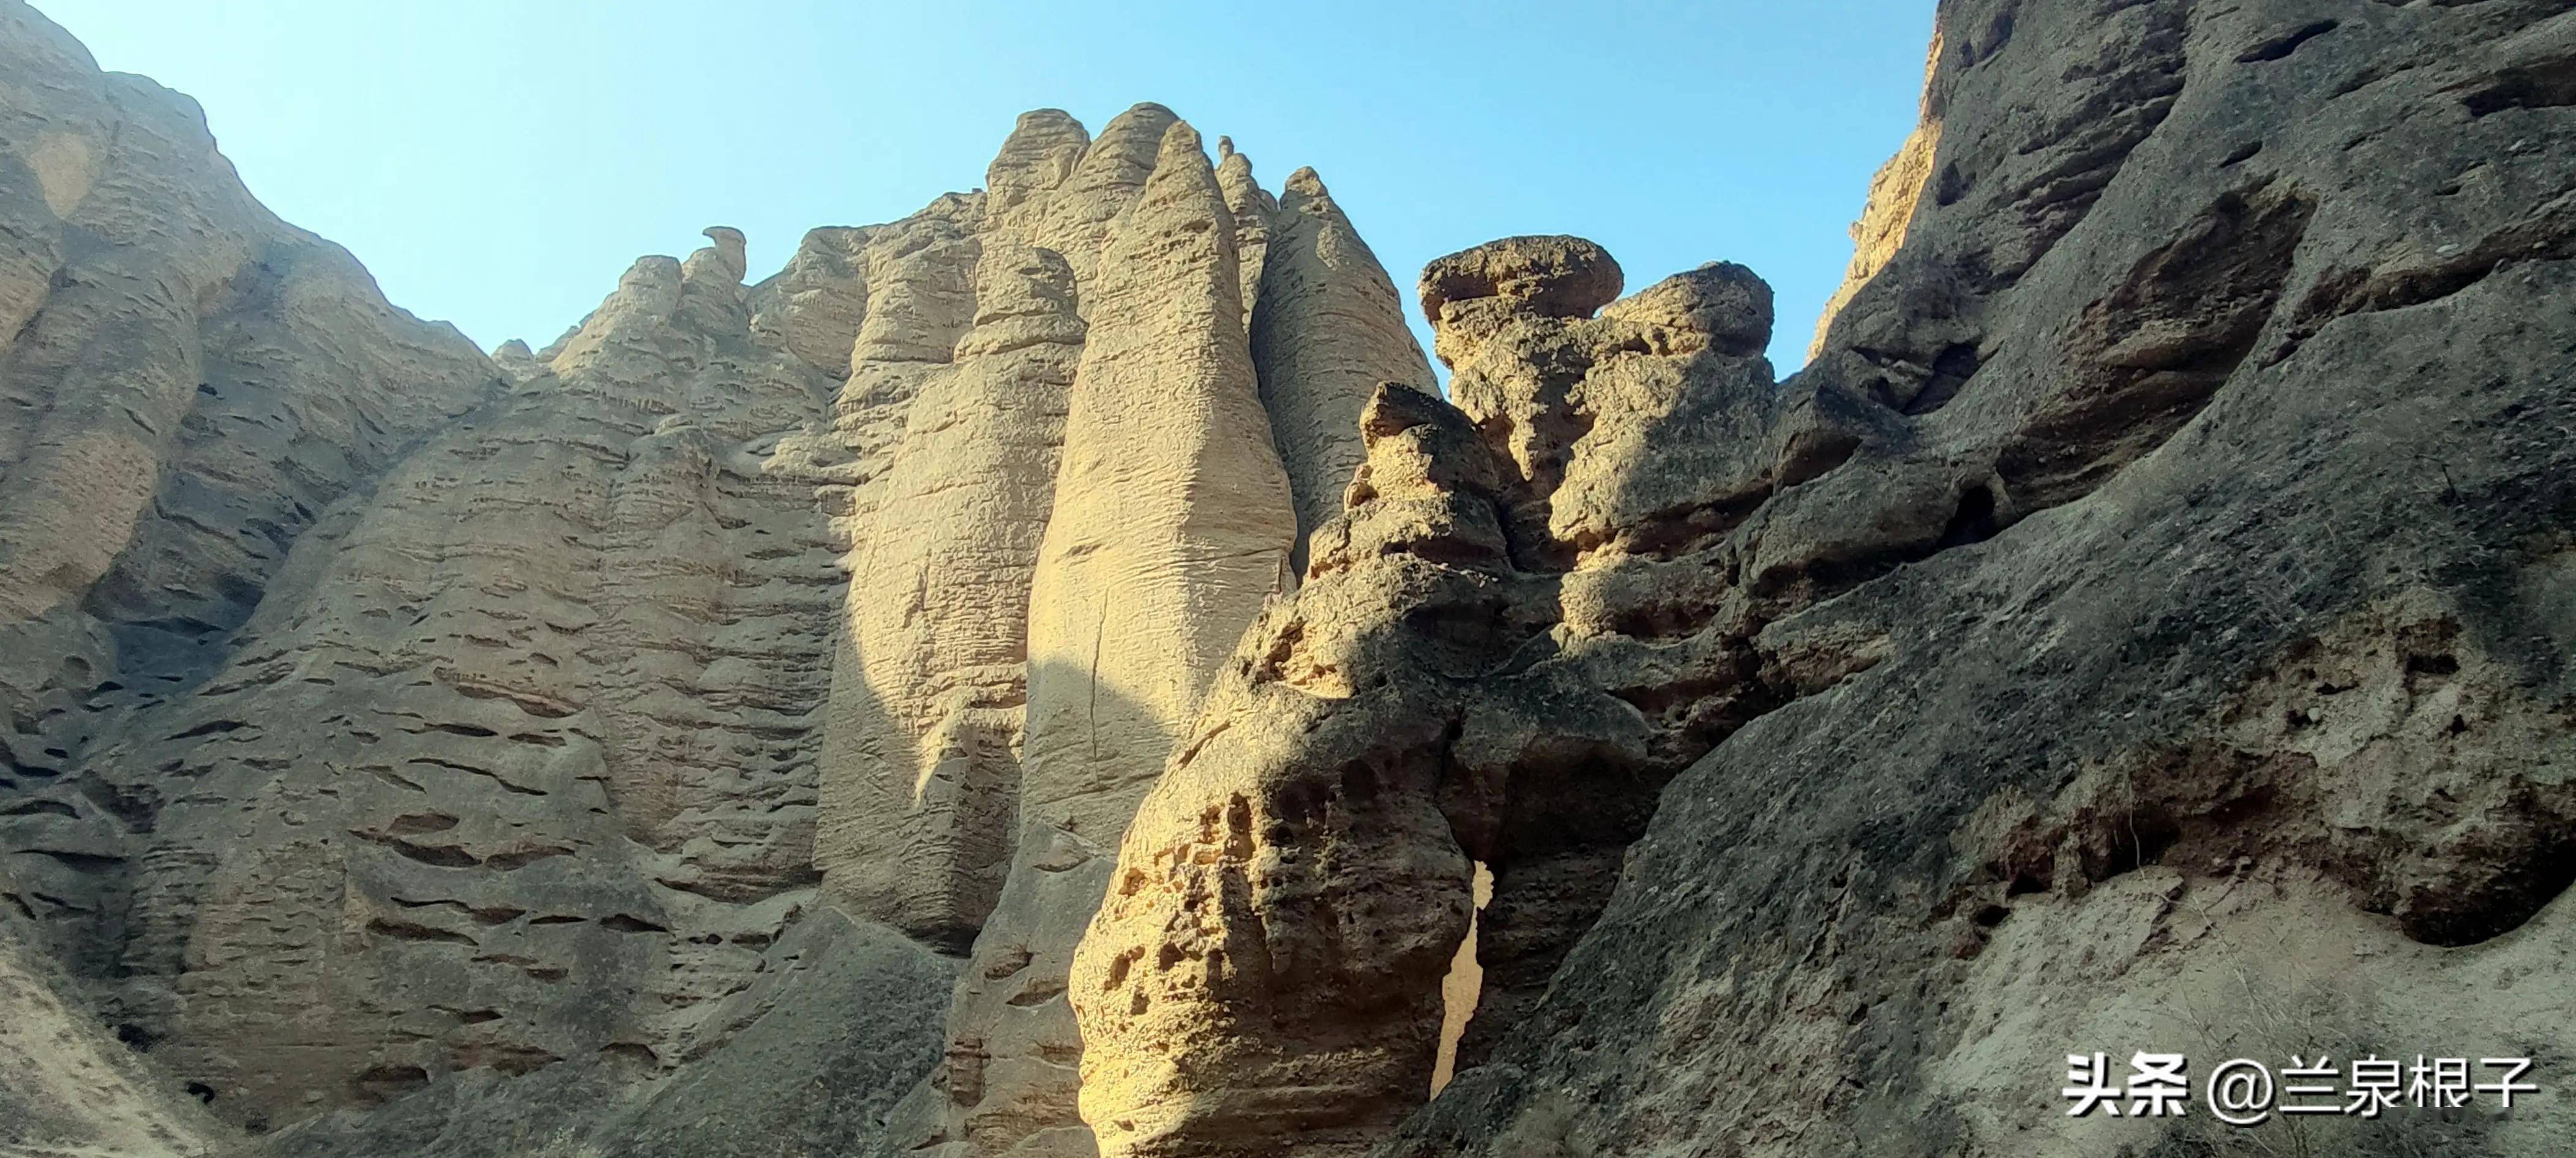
(555,700)
(2141,627)
(2144,624)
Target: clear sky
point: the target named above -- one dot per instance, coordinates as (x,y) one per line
(498,163)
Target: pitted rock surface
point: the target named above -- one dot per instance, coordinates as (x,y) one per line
(2063,657)
(1042,676)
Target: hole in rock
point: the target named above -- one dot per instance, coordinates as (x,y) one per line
(1974,522)
(2281,46)
(1951,369)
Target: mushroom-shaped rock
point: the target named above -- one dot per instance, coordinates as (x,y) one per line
(1470,294)
(1557,276)
(1720,304)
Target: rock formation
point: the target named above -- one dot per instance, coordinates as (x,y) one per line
(1490,663)
(1045,676)
(1325,331)
(938,618)
(68,1086)
(2142,627)
(450,742)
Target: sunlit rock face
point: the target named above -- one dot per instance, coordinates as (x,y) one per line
(450,741)
(1046,675)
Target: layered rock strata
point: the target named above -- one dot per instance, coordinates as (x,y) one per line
(2145,625)
(1488,664)
(389,716)
(2142,627)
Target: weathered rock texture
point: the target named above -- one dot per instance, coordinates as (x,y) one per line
(1325,331)
(68,1087)
(545,750)
(1066,500)
(2145,626)
(924,793)
(1042,676)
(1171,525)
(816,1051)
(1489,663)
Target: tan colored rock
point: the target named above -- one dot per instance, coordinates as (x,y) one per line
(1472,293)
(1252,208)
(1009,1086)
(1077,218)
(68,1088)
(155,371)
(1888,210)
(1042,151)
(921,300)
(1022,182)
(440,743)
(1172,520)
(1490,663)
(182,396)
(532,766)
(816,304)
(1172,525)
(1328,327)
(1265,972)
(722,261)
(919,808)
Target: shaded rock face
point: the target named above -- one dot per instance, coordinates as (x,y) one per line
(68,1086)
(513,762)
(817,1049)
(2142,627)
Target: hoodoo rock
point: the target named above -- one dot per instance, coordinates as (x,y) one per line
(922,800)
(2058,661)
(1171,525)
(1327,328)
(1481,669)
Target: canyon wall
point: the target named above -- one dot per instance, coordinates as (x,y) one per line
(467,750)
(1045,676)
(2144,626)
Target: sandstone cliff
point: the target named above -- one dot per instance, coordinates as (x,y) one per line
(2142,627)
(454,742)
(1047,675)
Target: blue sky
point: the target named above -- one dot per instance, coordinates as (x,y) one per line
(498,163)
